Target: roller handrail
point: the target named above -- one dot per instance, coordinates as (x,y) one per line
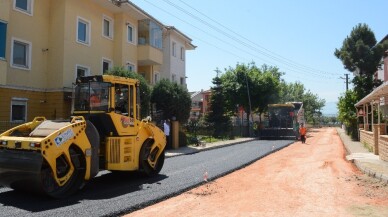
(147,119)
(77,119)
(39,119)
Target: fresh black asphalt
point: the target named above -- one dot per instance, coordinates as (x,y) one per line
(114,194)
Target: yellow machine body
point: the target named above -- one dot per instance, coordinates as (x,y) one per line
(104,133)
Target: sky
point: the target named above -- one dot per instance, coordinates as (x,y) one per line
(299,37)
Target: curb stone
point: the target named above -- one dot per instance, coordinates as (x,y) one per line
(364,169)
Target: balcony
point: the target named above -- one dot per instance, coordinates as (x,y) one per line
(149,55)
(150,43)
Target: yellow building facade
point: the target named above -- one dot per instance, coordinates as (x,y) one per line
(46,44)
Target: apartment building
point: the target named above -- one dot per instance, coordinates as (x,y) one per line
(382,72)
(196,105)
(46,44)
(200,103)
(174,59)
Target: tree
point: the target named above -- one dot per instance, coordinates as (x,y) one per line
(312,104)
(265,86)
(363,85)
(145,90)
(347,112)
(359,53)
(217,115)
(267,89)
(172,99)
(291,92)
(329,120)
(251,87)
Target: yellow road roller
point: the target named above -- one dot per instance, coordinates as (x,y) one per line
(105,132)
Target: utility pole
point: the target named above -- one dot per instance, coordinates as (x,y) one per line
(250,107)
(346,81)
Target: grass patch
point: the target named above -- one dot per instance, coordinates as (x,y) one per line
(191,139)
(370,149)
(210,139)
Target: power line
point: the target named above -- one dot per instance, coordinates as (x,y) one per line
(220,24)
(271,54)
(210,44)
(309,73)
(297,76)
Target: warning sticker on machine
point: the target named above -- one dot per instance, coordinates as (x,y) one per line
(63,137)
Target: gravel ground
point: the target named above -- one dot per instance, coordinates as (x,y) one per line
(312,179)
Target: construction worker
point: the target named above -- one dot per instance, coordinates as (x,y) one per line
(302,132)
(95,99)
(166,128)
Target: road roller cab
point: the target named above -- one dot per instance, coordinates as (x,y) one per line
(57,157)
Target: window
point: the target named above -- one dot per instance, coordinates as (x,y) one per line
(82,71)
(106,65)
(124,100)
(156,77)
(83,31)
(156,36)
(150,33)
(182,80)
(182,53)
(174,49)
(131,67)
(107,27)
(21,54)
(24,6)
(19,110)
(3,37)
(173,78)
(92,95)
(130,33)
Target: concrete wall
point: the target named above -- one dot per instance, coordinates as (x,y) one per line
(52,105)
(5,8)
(178,66)
(173,64)
(124,51)
(116,49)
(51,31)
(55,52)
(33,29)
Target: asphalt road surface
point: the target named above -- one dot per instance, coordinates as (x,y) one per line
(112,194)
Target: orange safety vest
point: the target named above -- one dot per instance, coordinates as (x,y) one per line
(302,131)
(95,101)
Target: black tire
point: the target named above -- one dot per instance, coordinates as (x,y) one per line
(94,139)
(144,165)
(76,181)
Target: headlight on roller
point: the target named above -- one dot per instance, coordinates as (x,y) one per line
(35,144)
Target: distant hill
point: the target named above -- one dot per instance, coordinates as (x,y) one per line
(330,108)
